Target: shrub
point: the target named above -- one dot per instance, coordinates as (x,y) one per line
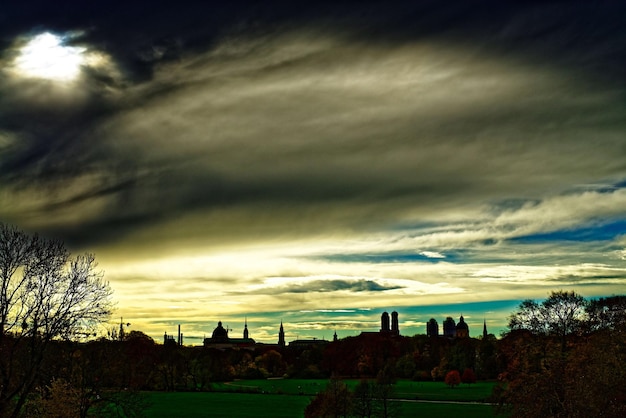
(468,376)
(453,378)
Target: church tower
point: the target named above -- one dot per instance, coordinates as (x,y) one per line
(384,322)
(245,329)
(281,335)
(432,328)
(485,328)
(395,328)
(449,327)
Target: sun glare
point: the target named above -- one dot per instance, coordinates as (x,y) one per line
(45,56)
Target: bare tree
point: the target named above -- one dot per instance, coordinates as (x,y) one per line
(560,315)
(45,294)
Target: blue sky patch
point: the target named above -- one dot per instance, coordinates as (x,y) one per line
(600,232)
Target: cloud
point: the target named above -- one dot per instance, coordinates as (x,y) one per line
(417,153)
(333,285)
(323,120)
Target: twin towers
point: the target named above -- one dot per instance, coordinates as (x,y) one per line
(384,323)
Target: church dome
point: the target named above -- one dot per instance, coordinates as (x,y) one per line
(220,332)
(462,324)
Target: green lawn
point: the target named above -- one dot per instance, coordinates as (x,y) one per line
(288,398)
(439,391)
(246,405)
(224,405)
(446,410)
(406,389)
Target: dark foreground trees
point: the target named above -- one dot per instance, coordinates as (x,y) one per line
(565,358)
(560,315)
(45,294)
(370,399)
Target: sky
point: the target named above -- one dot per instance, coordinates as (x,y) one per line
(320,163)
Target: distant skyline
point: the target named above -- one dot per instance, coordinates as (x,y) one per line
(323,323)
(321,163)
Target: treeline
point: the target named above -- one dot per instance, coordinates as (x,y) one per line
(560,357)
(137,362)
(104,377)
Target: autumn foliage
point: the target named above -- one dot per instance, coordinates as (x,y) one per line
(453,378)
(565,359)
(468,376)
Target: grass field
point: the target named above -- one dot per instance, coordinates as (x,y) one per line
(224,405)
(406,389)
(288,398)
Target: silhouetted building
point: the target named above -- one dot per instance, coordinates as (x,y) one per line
(432,328)
(395,328)
(220,334)
(389,327)
(220,339)
(307,343)
(168,339)
(281,335)
(449,327)
(462,330)
(384,322)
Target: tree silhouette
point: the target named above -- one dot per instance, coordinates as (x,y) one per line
(565,358)
(560,315)
(44,295)
(363,399)
(333,402)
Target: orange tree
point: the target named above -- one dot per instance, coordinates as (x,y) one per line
(453,378)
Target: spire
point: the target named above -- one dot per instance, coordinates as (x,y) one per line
(245,329)
(485,328)
(281,335)
(335,336)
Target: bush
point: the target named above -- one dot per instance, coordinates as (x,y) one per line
(453,378)
(468,376)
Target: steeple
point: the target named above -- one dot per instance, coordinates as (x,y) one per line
(485,328)
(245,329)
(281,335)
(335,336)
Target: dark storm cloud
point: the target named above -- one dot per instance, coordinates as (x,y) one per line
(325,286)
(296,119)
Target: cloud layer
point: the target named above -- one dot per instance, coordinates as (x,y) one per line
(269,160)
